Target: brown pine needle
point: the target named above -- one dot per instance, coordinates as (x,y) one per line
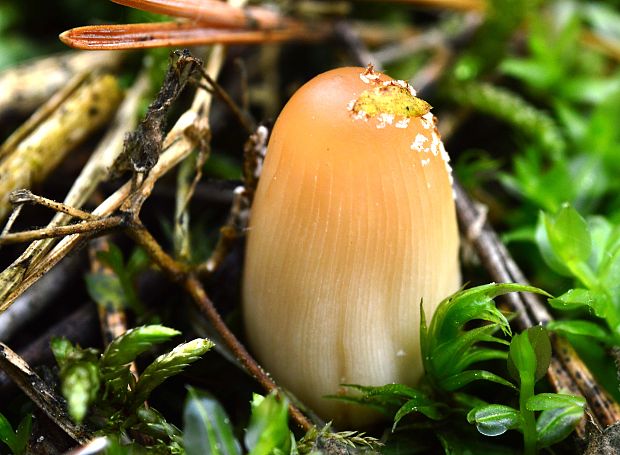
(213,13)
(176,34)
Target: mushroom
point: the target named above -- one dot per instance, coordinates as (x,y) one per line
(353,225)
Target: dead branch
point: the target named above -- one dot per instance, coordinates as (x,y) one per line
(30,84)
(195,289)
(28,197)
(571,373)
(129,200)
(40,393)
(97,226)
(36,155)
(144,145)
(32,303)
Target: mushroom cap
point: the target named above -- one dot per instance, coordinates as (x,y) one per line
(353,225)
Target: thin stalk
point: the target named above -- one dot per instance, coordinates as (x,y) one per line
(526,391)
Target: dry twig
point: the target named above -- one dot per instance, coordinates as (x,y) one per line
(28,85)
(566,371)
(40,393)
(33,157)
(129,200)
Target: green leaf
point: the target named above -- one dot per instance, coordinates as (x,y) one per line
(459,442)
(22,435)
(512,108)
(153,424)
(464,350)
(568,235)
(460,380)
(113,258)
(554,425)
(530,354)
(471,304)
(467,305)
(386,399)
(548,401)
(494,419)
(138,262)
(547,252)
(381,399)
(574,299)
(6,434)
(425,345)
(449,347)
(167,365)
(609,269)
(62,349)
(118,290)
(582,328)
(106,290)
(539,339)
(527,70)
(268,429)
(475,355)
(389,390)
(207,429)
(421,405)
(80,384)
(79,375)
(125,348)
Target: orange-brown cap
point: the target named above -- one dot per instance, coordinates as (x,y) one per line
(353,223)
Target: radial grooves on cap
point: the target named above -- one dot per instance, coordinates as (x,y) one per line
(344,241)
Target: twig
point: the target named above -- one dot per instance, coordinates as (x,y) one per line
(181,236)
(28,85)
(572,373)
(179,272)
(358,50)
(96,170)
(79,327)
(129,200)
(37,298)
(253,155)
(85,110)
(195,289)
(229,233)
(144,145)
(12,218)
(24,196)
(243,117)
(44,111)
(40,393)
(404,48)
(604,408)
(97,226)
(19,276)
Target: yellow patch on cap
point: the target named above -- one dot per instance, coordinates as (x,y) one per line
(391,98)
